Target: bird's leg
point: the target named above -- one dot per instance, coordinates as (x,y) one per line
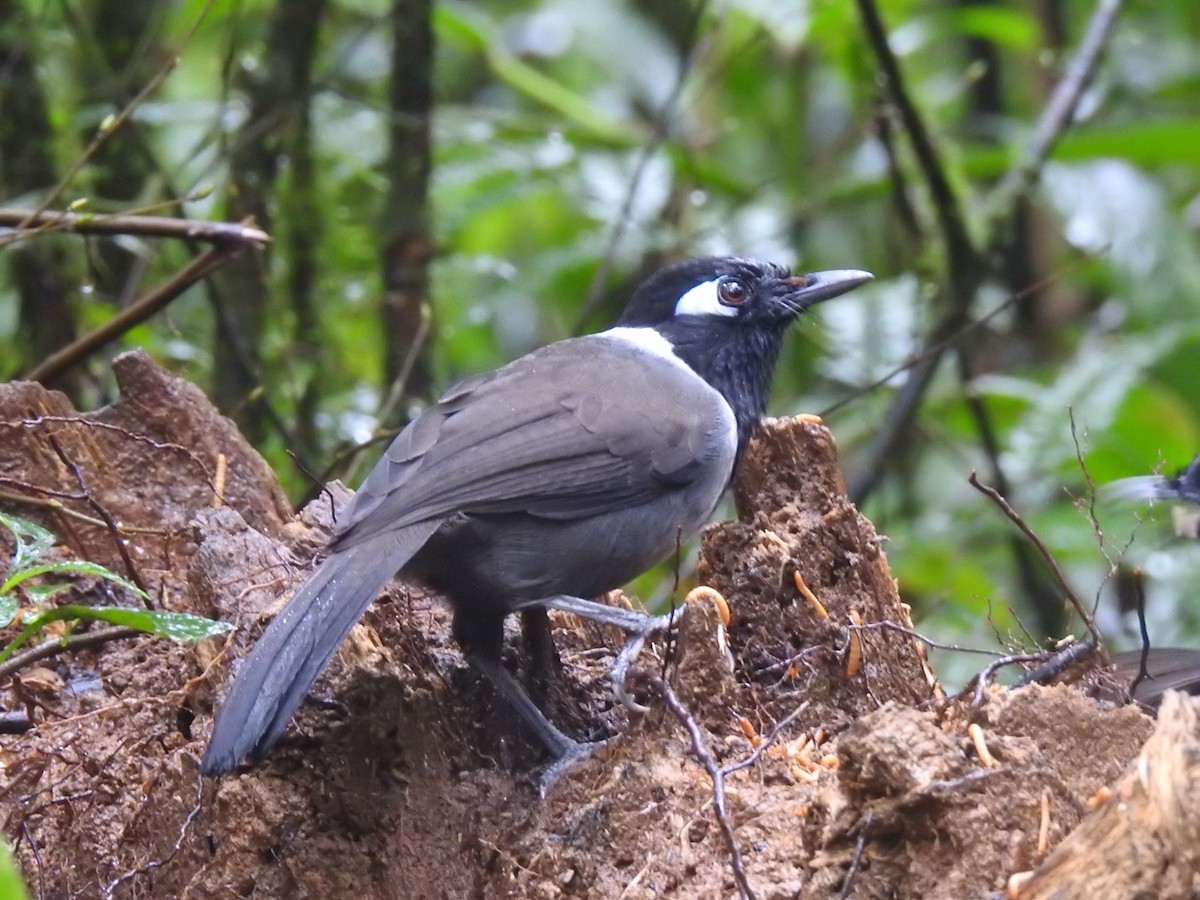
(554,739)
(637,625)
(630,621)
(544,662)
(481,638)
(566,750)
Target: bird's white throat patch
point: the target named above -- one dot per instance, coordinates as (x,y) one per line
(645,339)
(703,300)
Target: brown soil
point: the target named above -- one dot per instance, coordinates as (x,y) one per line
(405,777)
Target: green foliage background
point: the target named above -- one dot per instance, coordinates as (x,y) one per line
(572,137)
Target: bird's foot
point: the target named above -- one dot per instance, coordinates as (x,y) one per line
(637,625)
(630,652)
(568,757)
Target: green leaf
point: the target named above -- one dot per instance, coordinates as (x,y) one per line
(1006,27)
(71,567)
(457,25)
(1149,144)
(8,609)
(11,886)
(177,626)
(40,593)
(32,541)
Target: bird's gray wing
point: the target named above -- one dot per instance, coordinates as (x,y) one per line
(520,439)
(531,438)
(1167,669)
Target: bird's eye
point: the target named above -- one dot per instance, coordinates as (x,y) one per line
(732,292)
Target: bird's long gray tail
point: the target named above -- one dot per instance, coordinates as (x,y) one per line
(296,646)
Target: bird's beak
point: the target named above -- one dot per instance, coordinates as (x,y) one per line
(815,287)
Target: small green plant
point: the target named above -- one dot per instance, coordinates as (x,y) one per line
(11,887)
(32,542)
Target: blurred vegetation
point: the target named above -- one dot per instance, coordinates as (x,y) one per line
(449,185)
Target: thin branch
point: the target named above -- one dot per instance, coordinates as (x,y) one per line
(397,391)
(946,344)
(899,418)
(856,860)
(37,856)
(927,641)
(1040,595)
(767,741)
(55,646)
(1060,577)
(112,124)
(1091,488)
(959,249)
(705,757)
(142,226)
(896,422)
(984,678)
(1143,661)
(175,848)
(1059,111)
(61,509)
(1057,663)
(963,267)
(131,571)
(656,139)
(947,333)
(897,186)
(1088,508)
(341,458)
(134,314)
(35,421)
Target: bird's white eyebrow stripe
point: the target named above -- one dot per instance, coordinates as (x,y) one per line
(703,300)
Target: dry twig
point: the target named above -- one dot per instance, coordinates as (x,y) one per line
(134,314)
(158,863)
(112,124)
(1059,111)
(656,139)
(705,758)
(55,646)
(131,571)
(1056,571)
(48,221)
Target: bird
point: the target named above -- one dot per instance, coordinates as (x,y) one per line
(554,479)
(1152,671)
(1184,485)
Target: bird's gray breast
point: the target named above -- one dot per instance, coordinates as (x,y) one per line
(665,430)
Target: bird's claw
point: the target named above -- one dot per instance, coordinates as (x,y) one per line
(637,625)
(568,758)
(633,647)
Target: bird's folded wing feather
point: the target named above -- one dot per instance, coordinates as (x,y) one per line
(529,438)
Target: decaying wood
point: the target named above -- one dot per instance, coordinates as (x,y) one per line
(1144,841)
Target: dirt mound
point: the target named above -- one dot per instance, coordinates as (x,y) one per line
(803,751)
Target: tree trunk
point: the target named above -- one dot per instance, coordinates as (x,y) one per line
(276,92)
(408,245)
(27,166)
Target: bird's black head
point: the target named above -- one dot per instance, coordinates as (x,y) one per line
(731,290)
(725,317)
